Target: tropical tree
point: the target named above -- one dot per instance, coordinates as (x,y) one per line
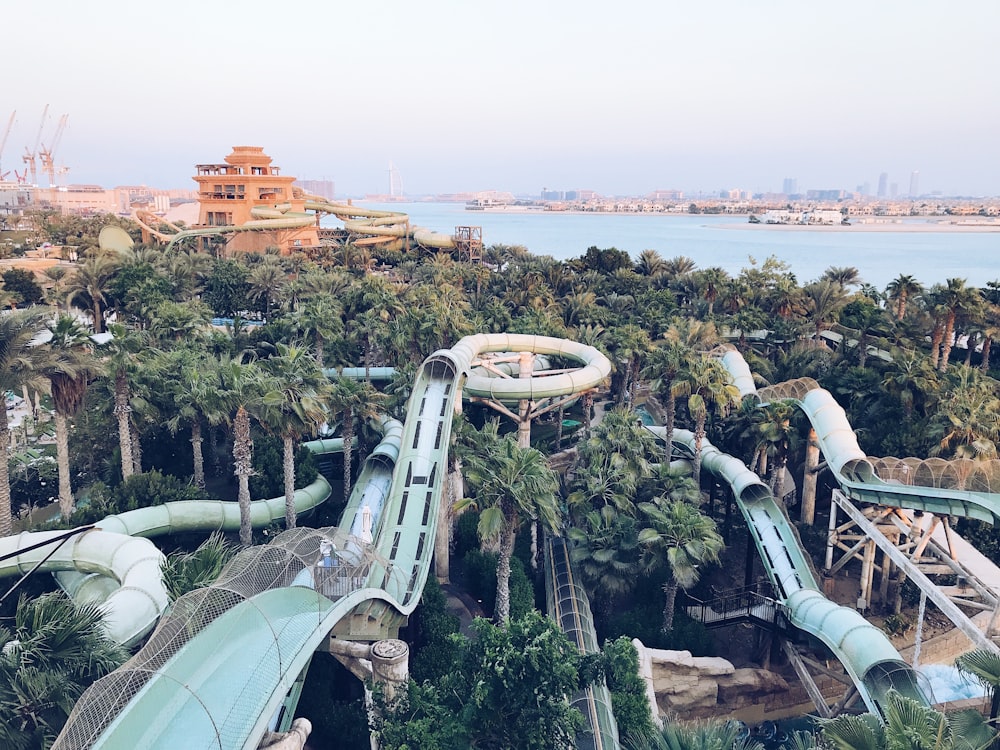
(908,725)
(772,433)
(900,290)
(184,572)
(356,401)
(606,554)
(956,301)
(845,276)
(319,319)
(90,285)
(966,423)
(983,665)
(195,392)
(663,365)
(294,403)
(510,485)
(121,356)
(679,539)
(69,369)
(21,362)
(241,388)
(266,281)
(823,300)
(708,388)
(53,650)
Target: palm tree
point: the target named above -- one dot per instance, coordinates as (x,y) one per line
(679,538)
(663,366)
(708,388)
(242,388)
(772,432)
(121,356)
(266,280)
(983,665)
(824,300)
(958,301)
(54,650)
(845,276)
(909,725)
(511,485)
(90,285)
(357,401)
(650,264)
(293,404)
(966,423)
(69,369)
(193,386)
(606,554)
(21,361)
(900,290)
(319,318)
(184,572)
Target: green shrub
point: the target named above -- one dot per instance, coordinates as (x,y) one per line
(628,689)
(432,655)
(268,479)
(480,580)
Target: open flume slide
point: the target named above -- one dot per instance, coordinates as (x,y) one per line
(958,488)
(869,658)
(197,682)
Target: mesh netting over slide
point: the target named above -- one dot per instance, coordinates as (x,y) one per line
(299,556)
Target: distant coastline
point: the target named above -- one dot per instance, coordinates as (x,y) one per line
(929,225)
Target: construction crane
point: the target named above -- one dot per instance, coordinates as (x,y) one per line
(3,142)
(46,154)
(30,156)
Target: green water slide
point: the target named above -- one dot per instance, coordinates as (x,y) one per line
(114,565)
(958,487)
(190,671)
(866,653)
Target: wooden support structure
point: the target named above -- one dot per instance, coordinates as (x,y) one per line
(905,550)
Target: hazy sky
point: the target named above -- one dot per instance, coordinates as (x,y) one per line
(620,97)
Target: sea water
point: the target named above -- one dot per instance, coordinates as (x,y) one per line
(728,241)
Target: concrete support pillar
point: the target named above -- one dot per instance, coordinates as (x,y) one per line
(810,476)
(391,665)
(867,575)
(526,368)
(829,536)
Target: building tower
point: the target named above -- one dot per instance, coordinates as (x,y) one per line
(914,183)
(790,186)
(248,191)
(883,184)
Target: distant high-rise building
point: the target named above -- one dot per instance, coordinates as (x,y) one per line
(893,189)
(883,183)
(790,186)
(914,183)
(322,188)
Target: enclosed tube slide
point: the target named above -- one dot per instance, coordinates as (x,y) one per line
(866,653)
(568,604)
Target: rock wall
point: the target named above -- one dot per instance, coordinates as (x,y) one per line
(679,684)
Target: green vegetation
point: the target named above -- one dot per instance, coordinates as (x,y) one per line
(175,408)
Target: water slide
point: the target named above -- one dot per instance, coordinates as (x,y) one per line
(567,603)
(958,487)
(866,653)
(178,691)
(375,225)
(115,565)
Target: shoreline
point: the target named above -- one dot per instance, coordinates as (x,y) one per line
(916,227)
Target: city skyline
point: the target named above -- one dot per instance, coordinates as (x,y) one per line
(656,96)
